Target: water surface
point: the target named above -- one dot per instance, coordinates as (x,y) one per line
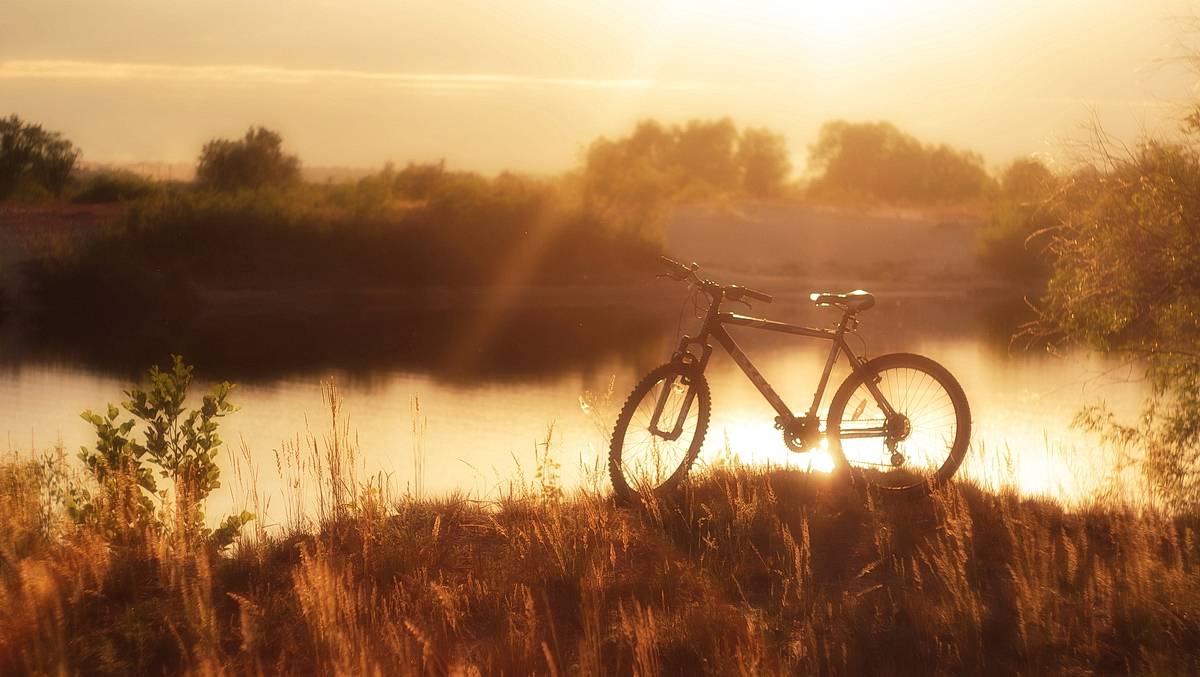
(485,406)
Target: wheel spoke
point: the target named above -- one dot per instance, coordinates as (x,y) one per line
(932,416)
(645,460)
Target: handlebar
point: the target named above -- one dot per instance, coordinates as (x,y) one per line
(733,292)
(676,270)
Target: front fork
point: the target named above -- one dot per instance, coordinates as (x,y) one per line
(690,363)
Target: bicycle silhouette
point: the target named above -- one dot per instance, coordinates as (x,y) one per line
(899,422)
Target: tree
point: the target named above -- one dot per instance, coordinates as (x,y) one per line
(704,154)
(763,157)
(256,161)
(630,181)
(31,155)
(877,161)
(1126,281)
(634,180)
(1021,216)
(419,181)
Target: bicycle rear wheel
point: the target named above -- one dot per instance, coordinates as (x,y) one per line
(921,445)
(659,432)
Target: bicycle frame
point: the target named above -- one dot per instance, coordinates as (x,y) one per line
(714,326)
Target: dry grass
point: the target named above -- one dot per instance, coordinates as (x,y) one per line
(751,572)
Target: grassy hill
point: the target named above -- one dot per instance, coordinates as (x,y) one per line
(752,572)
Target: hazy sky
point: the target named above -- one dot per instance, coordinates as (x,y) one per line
(526,84)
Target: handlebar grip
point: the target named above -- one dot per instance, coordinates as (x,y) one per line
(678,270)
(737,292)
(758,295)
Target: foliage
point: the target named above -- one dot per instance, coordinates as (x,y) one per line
(876,161)
(770,572)
(32,158)
(632,181)
(177,445)
(418,181)
(763,157)
(1020,217)
(253,162)
(467,230)
(1126,280)
(114,186)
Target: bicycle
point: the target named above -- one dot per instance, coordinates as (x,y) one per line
(906,430)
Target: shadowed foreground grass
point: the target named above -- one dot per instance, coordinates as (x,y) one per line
(753,572)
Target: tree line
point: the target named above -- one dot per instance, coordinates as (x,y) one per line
(1108,250)
(625,177)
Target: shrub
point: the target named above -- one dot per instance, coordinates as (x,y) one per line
(33,161)
(114,186)
(1126,281)
(253,162)
(176,445)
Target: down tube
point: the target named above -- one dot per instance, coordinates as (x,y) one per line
(751,372)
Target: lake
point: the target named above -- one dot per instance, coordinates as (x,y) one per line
(444,400)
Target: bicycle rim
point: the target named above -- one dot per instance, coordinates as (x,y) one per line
(652,448)
(924,454)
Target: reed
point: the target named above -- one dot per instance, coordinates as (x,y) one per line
(750,571)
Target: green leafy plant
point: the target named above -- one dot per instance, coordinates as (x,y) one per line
(1126,281)
(176,444)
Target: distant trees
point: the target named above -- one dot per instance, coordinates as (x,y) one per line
(763,157)
(1021,216)
(877,161)
(33,159)
(418,181)
(253,162)
(632,180)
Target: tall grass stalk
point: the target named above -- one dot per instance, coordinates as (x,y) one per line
(750,571)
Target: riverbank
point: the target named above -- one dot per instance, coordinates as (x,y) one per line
(186,255)
(758,572)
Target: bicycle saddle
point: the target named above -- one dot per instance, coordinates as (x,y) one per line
(856,301)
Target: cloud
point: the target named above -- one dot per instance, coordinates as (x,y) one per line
(245,74)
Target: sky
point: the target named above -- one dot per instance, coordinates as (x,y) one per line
(526,85)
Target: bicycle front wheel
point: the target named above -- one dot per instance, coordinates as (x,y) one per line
(659,432)
(920,444)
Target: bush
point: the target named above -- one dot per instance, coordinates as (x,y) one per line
(1126,281)
(467,231)
(108,186)
(177,445)
(254,162)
